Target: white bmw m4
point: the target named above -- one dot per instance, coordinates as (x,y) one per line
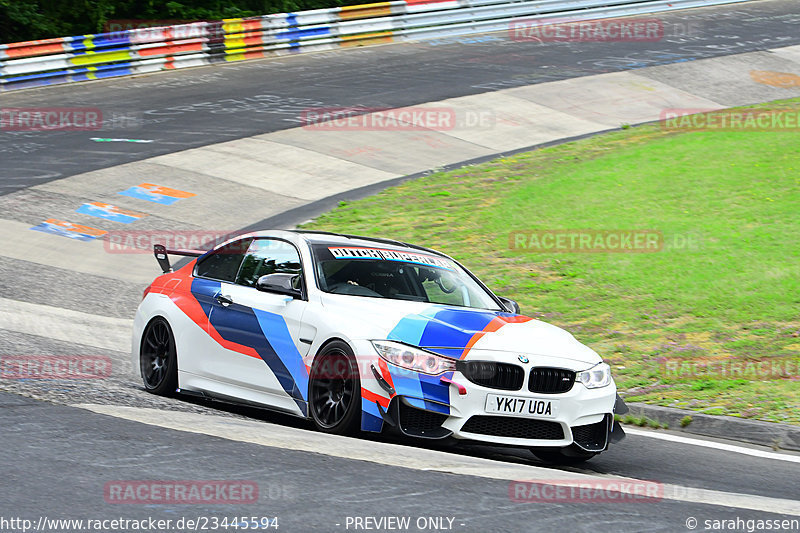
(363,334)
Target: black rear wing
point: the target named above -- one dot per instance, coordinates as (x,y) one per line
(161,253)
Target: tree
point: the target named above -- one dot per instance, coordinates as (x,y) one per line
(24,20)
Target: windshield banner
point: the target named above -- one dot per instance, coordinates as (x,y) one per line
(389,255)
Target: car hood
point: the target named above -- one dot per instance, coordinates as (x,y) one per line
(460,332)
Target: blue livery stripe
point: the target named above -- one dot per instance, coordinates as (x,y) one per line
(406,382)
(428,406)
(239,324)
(204,291)
(453,328)
(433,389)
(445,331)
(421,387)
(274,328)
(409,329)
(454,353)
(370,407)
(371,419)
(437,407)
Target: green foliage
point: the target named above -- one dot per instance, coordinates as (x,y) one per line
(723,290)
(641,421)
(23,20)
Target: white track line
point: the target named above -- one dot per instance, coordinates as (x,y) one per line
(266,434)
(61,324)
(713,444)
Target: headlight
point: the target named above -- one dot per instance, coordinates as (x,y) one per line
(412,358)
(596,377)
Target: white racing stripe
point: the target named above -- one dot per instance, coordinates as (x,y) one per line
(712,444)
(266,434)
(66,325)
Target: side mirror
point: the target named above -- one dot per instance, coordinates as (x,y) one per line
(510,305)
(281,283)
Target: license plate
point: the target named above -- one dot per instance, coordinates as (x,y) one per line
(527,407)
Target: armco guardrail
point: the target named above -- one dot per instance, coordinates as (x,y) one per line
(138,51)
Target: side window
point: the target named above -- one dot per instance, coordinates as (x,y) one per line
(223,263)
(268,256)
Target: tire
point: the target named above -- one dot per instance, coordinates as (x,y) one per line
(571,455)
(334,390)
(158,359)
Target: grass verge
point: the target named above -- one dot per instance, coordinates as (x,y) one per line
(709,323)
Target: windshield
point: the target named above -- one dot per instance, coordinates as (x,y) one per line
(397,275)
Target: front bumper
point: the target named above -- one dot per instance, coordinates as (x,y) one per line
(452,405)
(578,407)
(584,417)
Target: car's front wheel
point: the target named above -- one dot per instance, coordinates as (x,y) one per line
(570,455)
(158,358)
(335,390)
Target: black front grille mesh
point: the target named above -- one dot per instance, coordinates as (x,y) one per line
(414,420)
(544,380)
(591,436)
(518,428)
(502,376)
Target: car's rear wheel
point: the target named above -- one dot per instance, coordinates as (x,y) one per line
(335,390)
(570,455)
(158,358)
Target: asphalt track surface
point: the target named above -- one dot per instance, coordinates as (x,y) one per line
(196,107)
(56,458)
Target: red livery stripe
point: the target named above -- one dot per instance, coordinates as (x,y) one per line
(372,397)
(495,324)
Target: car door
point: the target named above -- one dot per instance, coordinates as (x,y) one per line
(202,360)
(262,354)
